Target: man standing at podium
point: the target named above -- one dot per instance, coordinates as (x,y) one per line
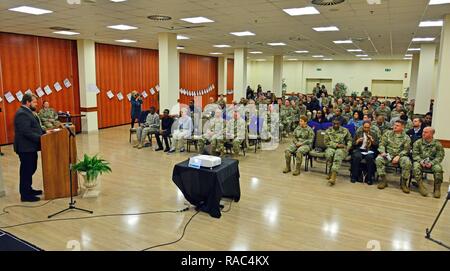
(27,142)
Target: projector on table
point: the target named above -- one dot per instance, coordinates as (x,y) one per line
(207,161)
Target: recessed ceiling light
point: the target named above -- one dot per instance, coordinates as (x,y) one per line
(327,59)
(292,59)
(342,41)
(222,46)
(354,50)
(181,37)
(302,52)
(126,41)
(68,33)
(117,1)
(180,47)
(317,56)
(361,55)
(255,52)
(408,55)
(367,58)
(197,20)
(422,39)
(243,33)
(431,23)
(216,53)
(414,49)
(326,28)
(157,17)
(301,11)
(260,60)
(276,43)
(31,10)
(407,58)
(438,2)
(122,27)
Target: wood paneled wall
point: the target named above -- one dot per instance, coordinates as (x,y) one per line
(230,79)
(29,62)
(124,69)
(197,73)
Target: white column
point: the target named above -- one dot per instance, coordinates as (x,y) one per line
(240,73)
(440,111)
(87,77)
(277,75)
(414,74)
(425,78)
(169,70)
(222,69)
(2,187)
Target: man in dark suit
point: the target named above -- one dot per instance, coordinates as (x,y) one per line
(365,144)
(27,142)
(415,133)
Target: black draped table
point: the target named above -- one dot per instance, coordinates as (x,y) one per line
(205,187)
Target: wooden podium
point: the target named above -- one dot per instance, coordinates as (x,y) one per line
(58,150)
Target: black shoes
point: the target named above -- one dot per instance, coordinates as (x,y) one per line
(30,199)
(159,149)
(167,150)
(36,192)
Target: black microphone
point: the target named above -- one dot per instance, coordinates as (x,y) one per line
(70,130)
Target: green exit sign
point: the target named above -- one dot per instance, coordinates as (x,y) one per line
(387,70)
(319,69)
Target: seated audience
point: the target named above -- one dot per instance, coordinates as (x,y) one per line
(236,131)
(182,131)
(365,146)
(303,137)
(415,132)
(214,134)
(48,117)
(356,121)
(166,130)
(151,126)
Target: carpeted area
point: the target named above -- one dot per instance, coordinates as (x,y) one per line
(9,242)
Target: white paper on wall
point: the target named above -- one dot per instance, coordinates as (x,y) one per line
(9,97)
(67,83)
(40,92)
(19,95)
(110,94)
(144,94)
(157,88)
(120,96)
(57,87)
(129,96)
(47,90)
(28,91)
(152,91)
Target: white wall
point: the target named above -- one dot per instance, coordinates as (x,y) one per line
(355,74)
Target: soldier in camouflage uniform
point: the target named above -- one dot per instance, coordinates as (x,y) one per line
(381,124)
(325,100)
(236,131)
(366,94)
(394,150)
(428,153)
(301,145)
(48,117)
(348,113)
(295,117)
(397,112)
(286,118)
(383,110)
(214,133)
(338,141)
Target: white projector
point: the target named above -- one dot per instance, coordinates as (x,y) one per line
(207,161)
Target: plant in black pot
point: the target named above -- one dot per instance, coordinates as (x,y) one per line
(90,168)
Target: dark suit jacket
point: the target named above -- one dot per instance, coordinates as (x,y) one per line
(27,130)
(360,134)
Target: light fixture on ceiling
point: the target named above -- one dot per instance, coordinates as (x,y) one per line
(407,58)
(431,23)
(67,33)
(361,55)
(180,47)
(122,27)
(222,46)
(422,39)
(118,1)
(408,55)
(438,2)
(413,49)
(216,53)
(292,59)
(197,20)
(326,28)
(317,56)
(260,59)
(302,52)
(126,41)
(255,52)
(366,58)
(243,33)
(159,18)
(301,11)
(354,50)
(327,2)
(327,59)
(181,37)
(31,10)
(342,41)
(276,43)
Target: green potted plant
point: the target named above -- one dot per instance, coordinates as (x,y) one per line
(90,168)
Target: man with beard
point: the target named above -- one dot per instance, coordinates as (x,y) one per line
(27,143)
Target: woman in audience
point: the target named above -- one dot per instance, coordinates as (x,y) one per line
(356,120)
(328,113)
(136,107)
(182,131)
(320,118)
